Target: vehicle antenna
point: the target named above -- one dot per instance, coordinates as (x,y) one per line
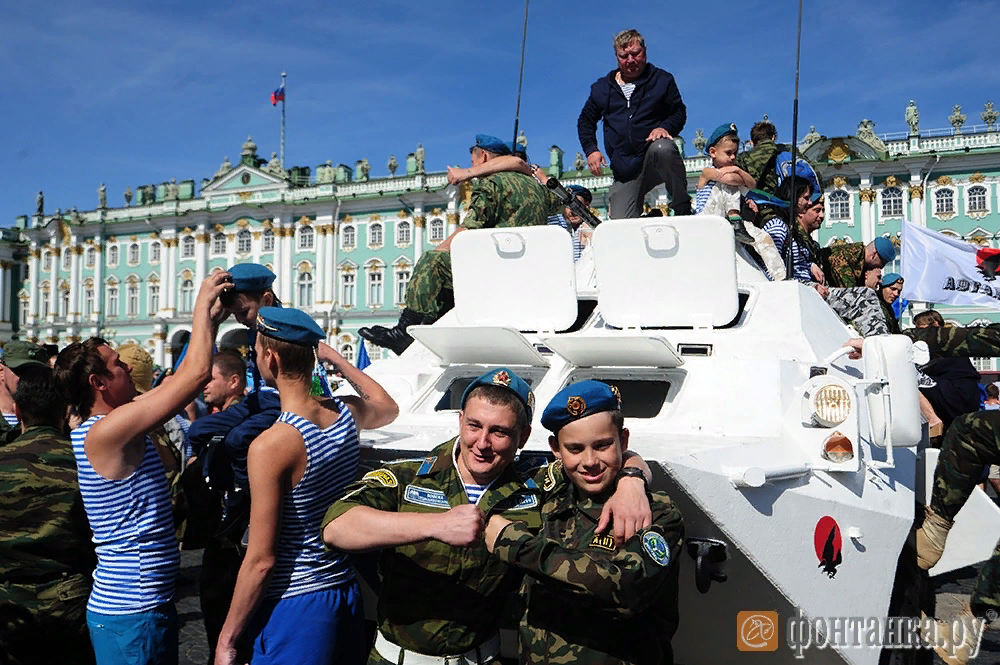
(795,140)
(520,77)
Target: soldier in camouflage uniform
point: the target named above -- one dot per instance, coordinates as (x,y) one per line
(46,553)
(588,599)
(503,199)
(442,593)
(15,356)
(763,136)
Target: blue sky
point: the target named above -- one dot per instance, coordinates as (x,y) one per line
(134,93)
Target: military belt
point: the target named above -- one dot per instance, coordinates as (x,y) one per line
(480,655)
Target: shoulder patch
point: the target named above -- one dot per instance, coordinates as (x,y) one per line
(383,477)
(423,496)
(550,477)
(425,466)
(518,502)
(604,542)
(656,547)
(529,463)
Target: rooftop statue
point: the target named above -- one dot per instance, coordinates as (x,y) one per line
(522,140)
(419,155)
(579,162)
(989,116)
(128,196)
(324,173)
(957,118)
(274,166)
(811,137)
(912,117)
(226,167)
(699,141)
(102,196)
(392,165)
(364,168)
(866,132)
(172,190)
(40,203)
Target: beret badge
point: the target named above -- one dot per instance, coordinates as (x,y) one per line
(502,379)
(531,400)
(575,405)
(618,395)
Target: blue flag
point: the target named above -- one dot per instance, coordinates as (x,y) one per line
(898,305)
(363,359)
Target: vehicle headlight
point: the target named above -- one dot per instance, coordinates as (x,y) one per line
(831,405)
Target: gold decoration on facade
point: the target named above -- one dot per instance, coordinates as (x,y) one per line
(347,219)
(420,221)
(890,181)
(218,228)
(838,181)
(348,268)
(112,239)
(204,238)
(977,177)
(916,192)
(867,195)
(436,212)
(304,267)
(243,223)
(36,253)
(465,193)
(452,217)
(256,235)
(268,224)
(187,229)
(944,181)
(56,252)
(230,237)
(979,239)
(161,336)
(838,152)
(895,241)
(245,196)
(77,249)
(155,235)
(595,213)
(187,274)
(6,265)
(304,220)
(375,217)
(402,214)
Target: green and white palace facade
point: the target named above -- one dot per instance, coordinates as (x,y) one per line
(343,243)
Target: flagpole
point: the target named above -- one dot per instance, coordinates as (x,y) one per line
(282,158)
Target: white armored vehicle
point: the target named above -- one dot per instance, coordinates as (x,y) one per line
(795,468)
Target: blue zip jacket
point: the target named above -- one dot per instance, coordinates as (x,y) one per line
(656,102)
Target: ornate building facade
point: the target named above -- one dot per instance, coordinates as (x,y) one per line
(343,244)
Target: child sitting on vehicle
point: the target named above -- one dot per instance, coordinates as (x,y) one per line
(723,178)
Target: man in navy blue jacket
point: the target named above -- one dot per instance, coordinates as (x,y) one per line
(642,112)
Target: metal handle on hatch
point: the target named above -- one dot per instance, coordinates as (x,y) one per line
(661,237)
(508,243)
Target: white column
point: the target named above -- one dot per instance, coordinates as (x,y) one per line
(33,285)
(452,223)
(419,224)
(98,280)
(74,280)
(256,243)
(201,251)
(330,268)
(170,279)
(231,246)
(54,280)
(4,295)
(286,254)
(278,247)
(916,203)
(159,335)
(319,283)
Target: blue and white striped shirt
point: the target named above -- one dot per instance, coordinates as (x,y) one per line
(559,220)
(801,258)
(133,525)
(702,195)
(302,563)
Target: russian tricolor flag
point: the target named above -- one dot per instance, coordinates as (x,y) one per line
(278,95)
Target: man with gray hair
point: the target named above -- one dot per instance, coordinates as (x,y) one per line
(642,112)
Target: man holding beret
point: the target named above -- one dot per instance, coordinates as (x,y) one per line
(442,594)
(589,599)
(642,112)
(506,198)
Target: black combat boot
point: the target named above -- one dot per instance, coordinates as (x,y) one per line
(396,338)
(740,230)
(683,208)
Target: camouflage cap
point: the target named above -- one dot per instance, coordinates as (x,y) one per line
(19,354)
(141,364)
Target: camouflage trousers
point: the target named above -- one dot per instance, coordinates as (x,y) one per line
(971,443)
(45,623)
(860,306)
(375,658)
(430,289)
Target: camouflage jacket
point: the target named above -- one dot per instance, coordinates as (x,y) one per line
(753,162)
(844,265)
(7,433)
(509,199)
(973,342)
(46,551)
(588,601)
(437,599)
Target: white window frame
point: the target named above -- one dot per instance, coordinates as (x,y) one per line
(436,223)
(402,227)
(830,219)
(88,299)
(348,232)
(133,249)
(67,259)
(244,236)
(218,239)
(90,257)
(347,351)
(883,201)
(186,301)
(154,251)
(401,283)
(63,302)
(374,241)
(375,282)
(267,240)
(936,211)
(114,255)
(348,280)
(307,238)
(113,293)
(186,243)
(967,196)
(153,299)
(132,299)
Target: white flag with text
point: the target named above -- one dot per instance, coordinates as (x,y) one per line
(942,269)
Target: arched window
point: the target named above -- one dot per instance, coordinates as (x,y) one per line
(402,280)
(375,234)
(26,272)
(154,252)
(187,247)
(437,230)
(47,261)
(348,235)
(153,303)
(88,299)
(244,242)
(112,298)
(839,205)
(133,253)
(307,237)
(944,202)
(347,289)
(113,255)
(977,199)
(132,299)
(22,311)
(403,233)
(305,290)
(347,350)
(218,243)
(374,289)
(91,257)
(268,243)
(892,202)
(64,302)
(67,258)
(187,296)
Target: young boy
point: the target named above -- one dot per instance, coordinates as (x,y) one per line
(587,599)
(300,602)
(723,174)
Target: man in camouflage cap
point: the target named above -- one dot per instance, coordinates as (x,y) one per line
(507,198)
(579,581)
(16,355)
(46,553)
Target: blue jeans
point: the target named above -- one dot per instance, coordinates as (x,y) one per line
(146,638)
(318,628)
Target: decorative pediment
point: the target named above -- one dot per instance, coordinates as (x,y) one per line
(244,178)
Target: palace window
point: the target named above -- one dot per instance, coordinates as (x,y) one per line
(403,233)
(982,364)
(944,202)
(375,234)
(67,258)
(219,243)
(45,303)
(402,280)
(892,202)
(154,300)
(305,290)
(977,199)
(64,303)
(374,289)
(23,310)
(268,244)
(187,247)
(307,237)
(27,271)
(47,262)
(838,205)
(437,230)
(113,255)
(244,242)
(154,252)
(113,299)
(88,300)
(347,289)
(132,300)
(187,296)
(133,253)
(91,257)
(348,236)
(347,350)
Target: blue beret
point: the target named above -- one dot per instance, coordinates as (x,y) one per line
(580,190)
(891,278)
(726,129)
(251,277)
(885,249)
(503,377)
(579,400)
(492,144)
(289,325)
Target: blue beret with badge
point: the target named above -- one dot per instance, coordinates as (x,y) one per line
(580,190)
(289,325)
(891,278)
(251,277)
(580,400)
(504,378)
(885,249)
(723,130)
(492,144)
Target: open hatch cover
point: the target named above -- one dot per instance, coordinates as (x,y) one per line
(625,349)
(487,345)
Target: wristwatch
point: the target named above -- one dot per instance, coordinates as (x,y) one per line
(633,472)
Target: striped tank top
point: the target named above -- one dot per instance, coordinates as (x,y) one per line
(133,525)
(302,563)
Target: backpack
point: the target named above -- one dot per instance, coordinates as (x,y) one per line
(803,169)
